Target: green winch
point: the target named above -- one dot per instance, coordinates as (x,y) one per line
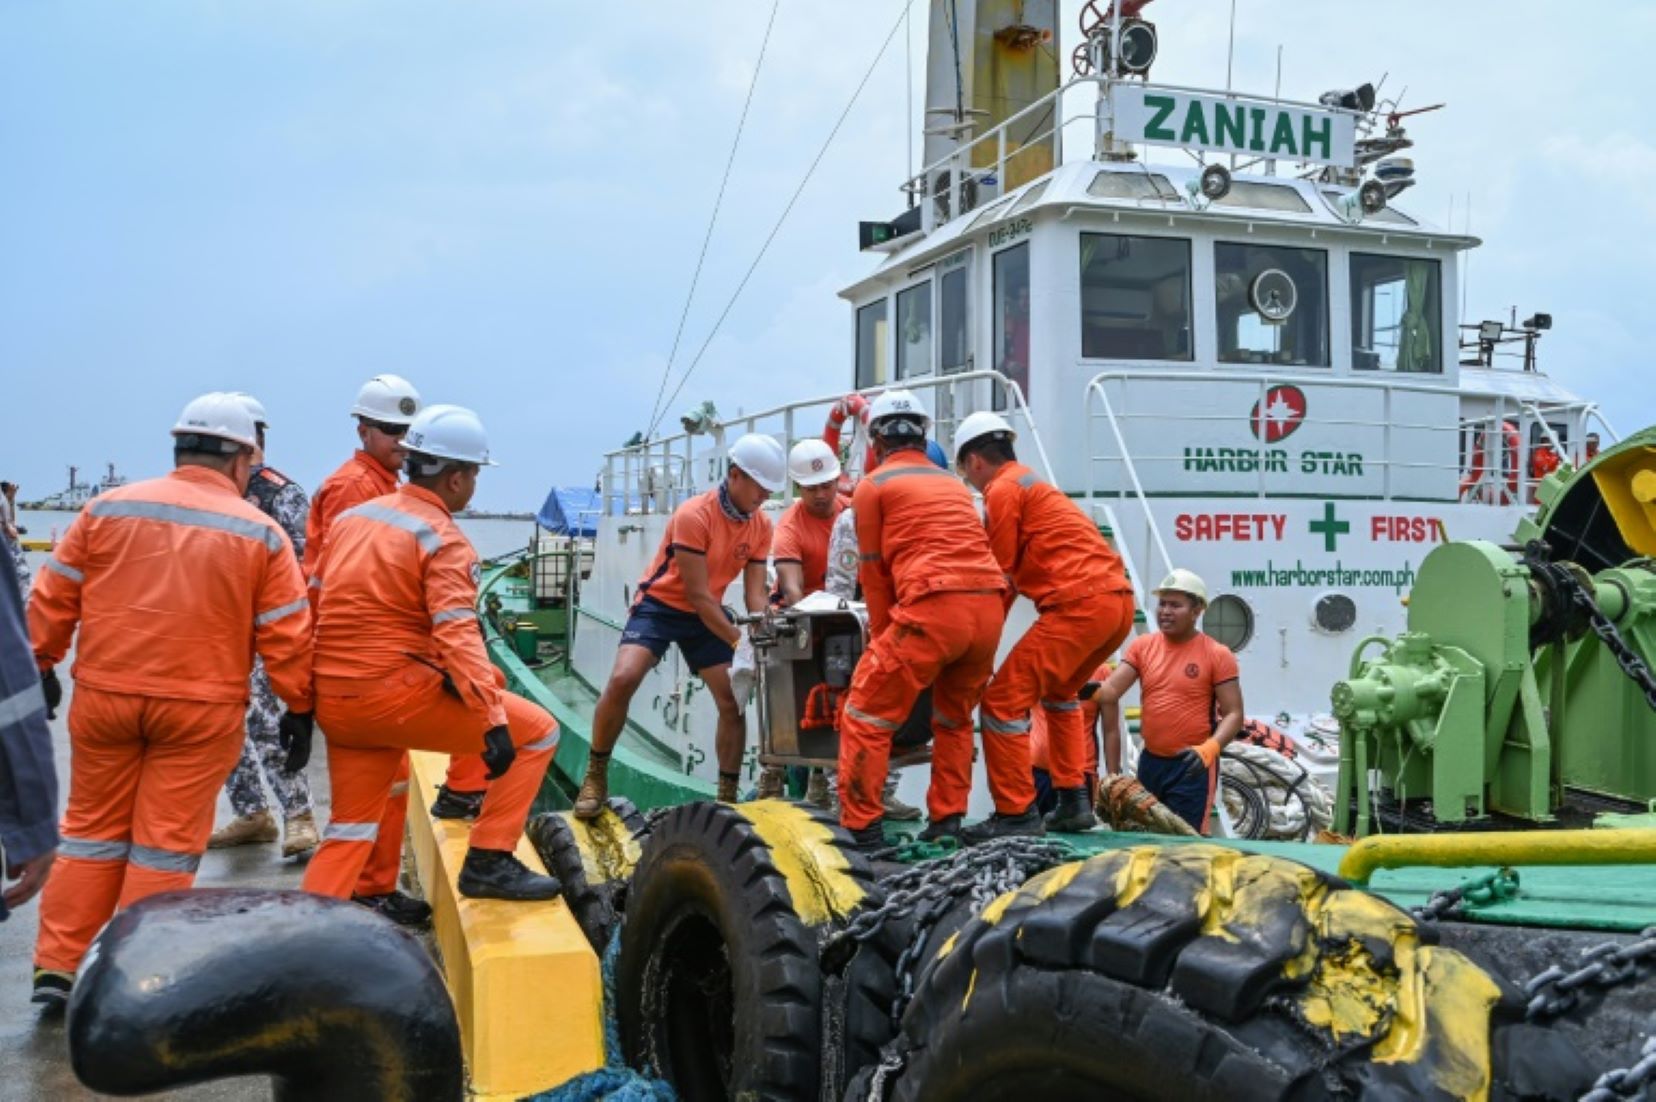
(1523,686)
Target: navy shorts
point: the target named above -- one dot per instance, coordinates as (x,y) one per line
(658,626)
(1188,797)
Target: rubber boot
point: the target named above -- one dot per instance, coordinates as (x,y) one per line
(497,874)
(244,830)
(1074,812)
(299,835)
(51,990)
(450,804)
(946,827)
(590,801)
(400,908)
(770,783)
(1026,824)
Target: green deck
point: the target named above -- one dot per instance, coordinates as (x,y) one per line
(1605,898)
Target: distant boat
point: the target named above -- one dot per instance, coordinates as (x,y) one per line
(79,493)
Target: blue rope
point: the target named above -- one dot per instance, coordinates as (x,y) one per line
(615,1081)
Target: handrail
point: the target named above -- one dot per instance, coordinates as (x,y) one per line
(1095,386)
(640,456)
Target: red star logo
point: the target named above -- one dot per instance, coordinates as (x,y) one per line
(1278,414)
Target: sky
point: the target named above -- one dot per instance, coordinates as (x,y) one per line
(504,201)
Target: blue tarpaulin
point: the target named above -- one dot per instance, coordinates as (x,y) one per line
(571,511)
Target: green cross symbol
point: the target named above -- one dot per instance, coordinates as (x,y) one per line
(1329,527)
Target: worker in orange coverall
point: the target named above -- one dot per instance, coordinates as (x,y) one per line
(175,584)
(385,405)
(421,679)
(934,614)
(1057,558)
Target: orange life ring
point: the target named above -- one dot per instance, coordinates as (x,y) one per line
(1509,463)
(852,405)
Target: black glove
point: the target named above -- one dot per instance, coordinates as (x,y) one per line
(1193,764)
(498,752)
(293,734)
(53,688)
(1088,690)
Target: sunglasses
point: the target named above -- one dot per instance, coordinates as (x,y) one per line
(389,430)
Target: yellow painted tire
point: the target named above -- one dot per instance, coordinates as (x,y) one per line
(593,860)
(1192,972)
(720,988)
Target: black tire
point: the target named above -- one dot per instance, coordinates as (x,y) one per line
(720,986)
(1197,972)
(593,859)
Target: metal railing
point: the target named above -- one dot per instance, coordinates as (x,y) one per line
(657,476)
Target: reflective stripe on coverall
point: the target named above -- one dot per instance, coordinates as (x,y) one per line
(163,578)
(1057,558)
(935,616)
(361,479)
(400,563)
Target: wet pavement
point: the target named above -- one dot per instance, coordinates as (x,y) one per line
(34,1056)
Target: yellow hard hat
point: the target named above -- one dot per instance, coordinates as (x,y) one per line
(1184,581)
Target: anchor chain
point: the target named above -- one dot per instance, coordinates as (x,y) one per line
(1565,582)
(1494,887)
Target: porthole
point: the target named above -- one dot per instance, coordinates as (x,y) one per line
(1230,620)
(1334,613)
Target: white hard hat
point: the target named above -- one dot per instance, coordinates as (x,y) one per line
(449,432)
(812,462)
(896,402)
(388,398)
(760,457)
(219,415)
(1184,581)
(254,407)
(978,425)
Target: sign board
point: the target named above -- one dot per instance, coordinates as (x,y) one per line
(1231,124)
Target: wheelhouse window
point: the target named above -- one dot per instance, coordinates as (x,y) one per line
(1135,297)
(953,343)
(914,331)
(871,344)
(1272,304)
(1011,273)
(1396,314)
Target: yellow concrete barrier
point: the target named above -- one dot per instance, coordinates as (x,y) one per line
(526,985)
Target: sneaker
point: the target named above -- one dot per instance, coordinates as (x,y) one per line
(299,835)
(1026,824)
(450,804)
(770,783)
(51,989)
(946,827)
(1074,812)
(496,874)
(244,830)
(871,838)
(899,811)
(590,801)
(402,909)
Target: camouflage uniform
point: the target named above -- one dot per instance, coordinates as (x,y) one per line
(285,502)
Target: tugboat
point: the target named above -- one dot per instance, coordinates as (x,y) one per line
(78,493)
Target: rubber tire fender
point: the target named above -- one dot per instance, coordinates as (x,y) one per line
(1198,972)
(593,860)
(719,981)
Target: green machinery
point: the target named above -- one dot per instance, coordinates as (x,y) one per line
(1522,689)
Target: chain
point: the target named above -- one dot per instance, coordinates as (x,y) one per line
(1556,990)
(1626,1083)
(927,890)
(1494,887)
(1566,583)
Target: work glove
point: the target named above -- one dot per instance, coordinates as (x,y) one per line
(53,689)
(293,734)
(498,752)
(1198,760)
